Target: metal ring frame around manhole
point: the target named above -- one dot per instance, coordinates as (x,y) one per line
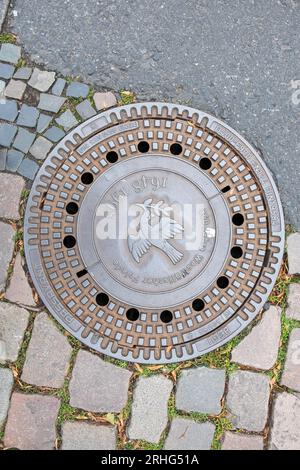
(154,304)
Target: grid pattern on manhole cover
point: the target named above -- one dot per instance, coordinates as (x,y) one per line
(154,300)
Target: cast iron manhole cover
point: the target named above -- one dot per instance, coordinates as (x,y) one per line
(154,233)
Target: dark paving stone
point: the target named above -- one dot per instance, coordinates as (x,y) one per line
(6,70)
(31,422)
(86,436)
(54,134)
(23,140)
(28,116)
(77,90)
(236,60)
(7,134)
(28,168)
(8,110)
(14,158)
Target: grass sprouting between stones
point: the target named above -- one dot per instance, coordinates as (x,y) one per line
(8,38)
(126,97)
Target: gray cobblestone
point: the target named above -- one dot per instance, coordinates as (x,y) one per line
(10,53)
(7,247)
(54,134)
(19,290)
(15,89)
(97,385)
(149,408)
(58,86)
(67,120)
(50,103)
(291,373)
(85,110)
(41,148)
(28,116)
(7,134)
(23,140)
(23,73)
(14,159)
(293,248)
(6,70)
(86,436)
(259,348)
(43,122)
(47,356)
(77,90)
(285,431)
(185,434)
(6,385)
(41,80)
(4,5)
(8,110)
(293,302)
(247,400)
(13,323)
(238,441)
(28,168)
(200,389)
(11,187)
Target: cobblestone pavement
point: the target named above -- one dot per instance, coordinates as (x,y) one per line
(237,59)
(56,394)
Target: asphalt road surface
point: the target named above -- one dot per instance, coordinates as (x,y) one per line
(237,59)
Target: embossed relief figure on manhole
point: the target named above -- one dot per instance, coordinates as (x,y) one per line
(154,233)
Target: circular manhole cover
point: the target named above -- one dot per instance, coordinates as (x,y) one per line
(154,233)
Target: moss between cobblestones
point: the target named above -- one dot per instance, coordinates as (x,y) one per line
(126,97)
(8,37)
(21,63)
(18,365)
(90,96)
